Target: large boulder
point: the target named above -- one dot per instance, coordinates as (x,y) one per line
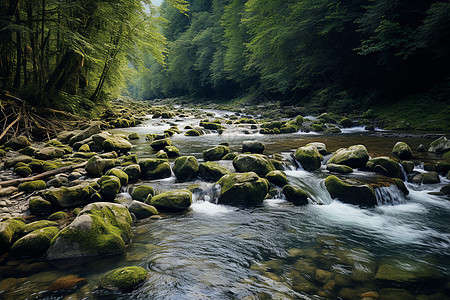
(95,166)
(70,197)
(253,147)
(39,206)
(309,157)
(216,153)
(349,192)
(295,195)
(123,177)
(30,227)
(49,153)
(185,168)
(355,156)
(341,169)
(385,166)
(125,279)
(258,163)
(142,210)
(31,186)
(17,143)
(88,132)
(212,171)
(321,147)
(35,243)
(154,168)
(171,151)
(402,151)
(242,189)
(116,143)
(160,144)
(172,201)
(13,161)
(10,230)
(101,228)
(440,145)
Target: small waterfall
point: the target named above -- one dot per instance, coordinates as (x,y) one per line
(311,184)
(405,177)
(206,192)
(389,195)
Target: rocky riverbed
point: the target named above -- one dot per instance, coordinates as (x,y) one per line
(84,193)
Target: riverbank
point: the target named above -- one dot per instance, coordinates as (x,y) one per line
(164,171)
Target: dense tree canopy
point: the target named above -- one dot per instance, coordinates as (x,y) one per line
(328,51)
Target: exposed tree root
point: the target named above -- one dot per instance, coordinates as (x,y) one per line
(19,118)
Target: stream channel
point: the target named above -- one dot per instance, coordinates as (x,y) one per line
(324,250)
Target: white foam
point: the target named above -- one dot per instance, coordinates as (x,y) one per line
(354,129)
(210,209)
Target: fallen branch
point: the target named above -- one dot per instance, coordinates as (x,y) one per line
(9,126)
(42,175)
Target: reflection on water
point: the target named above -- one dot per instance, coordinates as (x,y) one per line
(325,250)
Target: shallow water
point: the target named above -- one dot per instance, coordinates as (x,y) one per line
(325,250)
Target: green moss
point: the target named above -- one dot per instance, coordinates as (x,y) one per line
(258,163)
(215,153)
(212,171)
(40,206)
(123,177)
(84,148)
(34,243)
(243,189)
(22,171)
(9,231)
(389,167)
(277,178)
(309,157)
(59,215)
(341,169)
(346,122)
(32,186)
(160,144)
(350,193)
(152,168)
(134,136)
(295,195)
(172,151)
(186,167)
(37,225)
(355,156)
(173,201)
(192,132)
(125,279)
(142,192)
(109,186)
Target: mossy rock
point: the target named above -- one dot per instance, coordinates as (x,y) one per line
(192,132)
(101,228)
(133,171)
(298,120)
(318,127)
(215,153)
(341,169)
(253,147)
(161,154)
(37,225)
(123,177)
(442,167)
(13,161)
(109,186)
(440,145)
(154,168)
(49,153)
(134,136)
(242,189)
(59,215)
(355,156)
(346,122)
(10,230)
(29,150)
(172,151)
(70,197)
(142,210)
(84,148)
(23,171)
(17,143)
(96,165)
(348,192)
(142,193)
(172,201)
(212,171)
(125,279)
(402,151)
(407,273)
(427,178)
(295,195)
(116,143)
(258,163)
(211,125)
(309,157)
(408,166)
(160,144)
(32,186)
(230,156)
(34,244)
(385,166)
(186,167)
(277,178)
(39,206)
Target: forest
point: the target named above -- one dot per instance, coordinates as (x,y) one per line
(323,54)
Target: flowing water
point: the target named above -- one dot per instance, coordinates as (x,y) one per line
(325,250)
